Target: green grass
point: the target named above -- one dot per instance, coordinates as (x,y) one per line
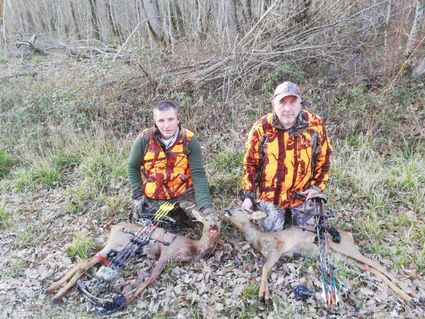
(73,135)
(80,197)
(386,190)
(250,291)
(17,268)
(5,163)
(5,217)
(36,178)
(282,73)
(80,246)
(342,273)
(65,161)
(168,269)
(278,306)
(25,238)
(3,60)
(47,176)
(226,173)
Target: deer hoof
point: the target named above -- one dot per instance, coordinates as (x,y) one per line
(261,305)
(265,298)
(55,301)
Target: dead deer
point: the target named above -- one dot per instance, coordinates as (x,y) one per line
(295,240)
(163,246)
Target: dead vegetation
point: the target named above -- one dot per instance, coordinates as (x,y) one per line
(68,121)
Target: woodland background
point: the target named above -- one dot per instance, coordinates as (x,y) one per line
(77,83)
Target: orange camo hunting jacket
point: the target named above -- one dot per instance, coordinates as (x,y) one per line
(167,173)
(279,163)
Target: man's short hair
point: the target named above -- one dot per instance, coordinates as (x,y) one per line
(166,105)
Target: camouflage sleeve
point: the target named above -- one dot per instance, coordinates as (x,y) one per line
(322,160)
(250,168)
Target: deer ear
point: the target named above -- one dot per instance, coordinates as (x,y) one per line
(257,215)
(198,215)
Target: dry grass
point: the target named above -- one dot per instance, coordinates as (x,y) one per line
(65,141)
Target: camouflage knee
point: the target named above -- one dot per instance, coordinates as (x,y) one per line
(303,215)
(275,220)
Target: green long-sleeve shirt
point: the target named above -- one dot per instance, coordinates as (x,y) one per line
(196,166)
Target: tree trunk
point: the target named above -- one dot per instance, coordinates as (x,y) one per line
(7,7)
(177,18)
(94,19)
(1,12)
(416,26)
(154,23)
(249,15)
(232,18)
(419,69)
(75,21)
(2,25)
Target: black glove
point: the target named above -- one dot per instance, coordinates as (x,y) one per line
(207,210)
(139,205)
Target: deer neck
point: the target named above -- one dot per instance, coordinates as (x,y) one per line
(250,232)
(205,245)
(206,241)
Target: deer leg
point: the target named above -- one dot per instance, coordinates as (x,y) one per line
(159,266)
(263,291)
(349,249)
(72,276)
(57,284)
(401,293)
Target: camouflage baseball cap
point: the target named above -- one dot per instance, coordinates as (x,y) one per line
(286,89)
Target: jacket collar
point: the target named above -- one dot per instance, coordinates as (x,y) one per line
(158,137)
(301,124)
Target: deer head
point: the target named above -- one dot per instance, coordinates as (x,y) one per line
(241,217)
(211,222)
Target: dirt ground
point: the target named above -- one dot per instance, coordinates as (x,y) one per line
(33,255)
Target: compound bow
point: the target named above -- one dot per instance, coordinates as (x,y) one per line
(329,290)
(112,301)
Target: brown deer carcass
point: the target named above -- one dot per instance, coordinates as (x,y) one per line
(292,240)
(162,246)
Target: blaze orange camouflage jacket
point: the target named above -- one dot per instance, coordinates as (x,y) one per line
(279,163)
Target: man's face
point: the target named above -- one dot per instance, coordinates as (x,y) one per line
(167,122)
(287,110)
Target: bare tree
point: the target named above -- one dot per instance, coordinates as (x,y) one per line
(155,28)
(270,31)
(232,18)
(2,18)
(1,12)
(94,19)
(412,41)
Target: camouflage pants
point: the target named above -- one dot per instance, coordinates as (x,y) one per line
(182,214)
(300,215)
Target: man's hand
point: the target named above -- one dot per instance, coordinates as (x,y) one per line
(208,210)
(137,211)
(309,193)
(139,203)
(247,204)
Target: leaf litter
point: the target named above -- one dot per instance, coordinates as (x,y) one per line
(203,289)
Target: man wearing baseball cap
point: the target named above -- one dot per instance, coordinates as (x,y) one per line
(287,160)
